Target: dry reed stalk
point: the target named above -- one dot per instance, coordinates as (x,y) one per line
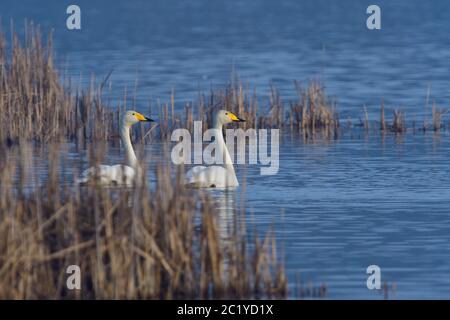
(398,123)
(366,119)
(382,118)
(437,117)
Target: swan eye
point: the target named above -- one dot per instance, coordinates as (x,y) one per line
(226,113)
(134,114)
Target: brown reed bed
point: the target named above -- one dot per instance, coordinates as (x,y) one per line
(29,89)
(314,110)
(36,105)
(163,242)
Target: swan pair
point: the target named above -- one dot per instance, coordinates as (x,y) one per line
(197,177)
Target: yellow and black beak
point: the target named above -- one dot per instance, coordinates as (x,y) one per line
(142,118)
(235,118)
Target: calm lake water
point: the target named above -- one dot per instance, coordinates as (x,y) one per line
(339,206)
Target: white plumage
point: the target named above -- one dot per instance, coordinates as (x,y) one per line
(216,176)
(109,175)
(118,175)
(210,177)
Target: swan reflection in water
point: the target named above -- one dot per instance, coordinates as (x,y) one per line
(227,210)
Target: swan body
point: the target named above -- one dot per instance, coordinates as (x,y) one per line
(216,176)
(109,175)
(210,177)
(118,175)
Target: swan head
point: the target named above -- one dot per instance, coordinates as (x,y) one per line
(132,117)
(224,117)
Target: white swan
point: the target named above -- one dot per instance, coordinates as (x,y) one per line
(216,176)
(119,174)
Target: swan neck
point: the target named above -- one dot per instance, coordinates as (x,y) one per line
(228,163)
(217,125)
(126,141)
